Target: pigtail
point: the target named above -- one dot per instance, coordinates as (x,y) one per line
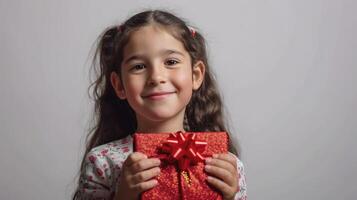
(205,110)
(113,118)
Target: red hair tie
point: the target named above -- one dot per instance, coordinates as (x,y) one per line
(120,28)
(192,30)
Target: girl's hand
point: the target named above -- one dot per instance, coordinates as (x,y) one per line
(137,176)
(224,174)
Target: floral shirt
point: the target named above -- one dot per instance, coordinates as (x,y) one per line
(102,168)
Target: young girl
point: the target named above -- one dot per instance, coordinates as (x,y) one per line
(154,77)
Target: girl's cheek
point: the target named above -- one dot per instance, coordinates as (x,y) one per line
(184,76)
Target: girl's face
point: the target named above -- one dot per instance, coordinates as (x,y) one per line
(157,78)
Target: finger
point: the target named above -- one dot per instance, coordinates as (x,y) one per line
(144,164)
(145,175)
(221,164)
(221,186)
(134,157)
(143,186)
(227,157)
(221,173)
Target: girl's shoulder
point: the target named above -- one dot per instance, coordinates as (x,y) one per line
(112,150)
(102,167)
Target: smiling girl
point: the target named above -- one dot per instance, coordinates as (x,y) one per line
(154,77)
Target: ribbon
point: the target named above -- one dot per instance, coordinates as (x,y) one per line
(184,148)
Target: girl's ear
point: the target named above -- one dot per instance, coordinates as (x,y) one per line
(198,74)
(117,85)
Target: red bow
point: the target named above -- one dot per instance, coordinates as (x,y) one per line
(184,148)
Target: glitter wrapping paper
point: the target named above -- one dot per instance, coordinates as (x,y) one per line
(172,184)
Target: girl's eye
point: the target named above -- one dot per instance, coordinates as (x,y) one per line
(138,67)
(171,62)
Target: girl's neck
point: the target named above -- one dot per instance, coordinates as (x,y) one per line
(166,126)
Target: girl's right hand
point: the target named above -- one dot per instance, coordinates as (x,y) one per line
(137,176)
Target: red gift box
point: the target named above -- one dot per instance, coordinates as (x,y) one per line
(182,168)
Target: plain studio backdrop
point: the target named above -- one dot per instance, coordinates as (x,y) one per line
(287,71)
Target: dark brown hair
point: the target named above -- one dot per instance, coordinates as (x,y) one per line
(114,118)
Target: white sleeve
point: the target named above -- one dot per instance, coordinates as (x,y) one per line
(94,182)
(242,191)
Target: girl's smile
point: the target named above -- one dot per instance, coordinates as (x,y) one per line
(158,95)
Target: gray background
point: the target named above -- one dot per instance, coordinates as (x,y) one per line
(287,70)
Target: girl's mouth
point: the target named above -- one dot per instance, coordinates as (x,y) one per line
(158,95)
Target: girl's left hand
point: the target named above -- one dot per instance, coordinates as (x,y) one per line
(223,174)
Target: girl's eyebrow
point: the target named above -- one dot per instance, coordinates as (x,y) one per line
(162,52)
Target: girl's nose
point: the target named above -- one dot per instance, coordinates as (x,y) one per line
(157,75)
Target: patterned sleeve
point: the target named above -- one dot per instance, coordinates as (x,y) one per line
(242,192)
(101,170)
(95,179)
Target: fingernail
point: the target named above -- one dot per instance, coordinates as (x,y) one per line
(207,167)
(208,160)
(214,155)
